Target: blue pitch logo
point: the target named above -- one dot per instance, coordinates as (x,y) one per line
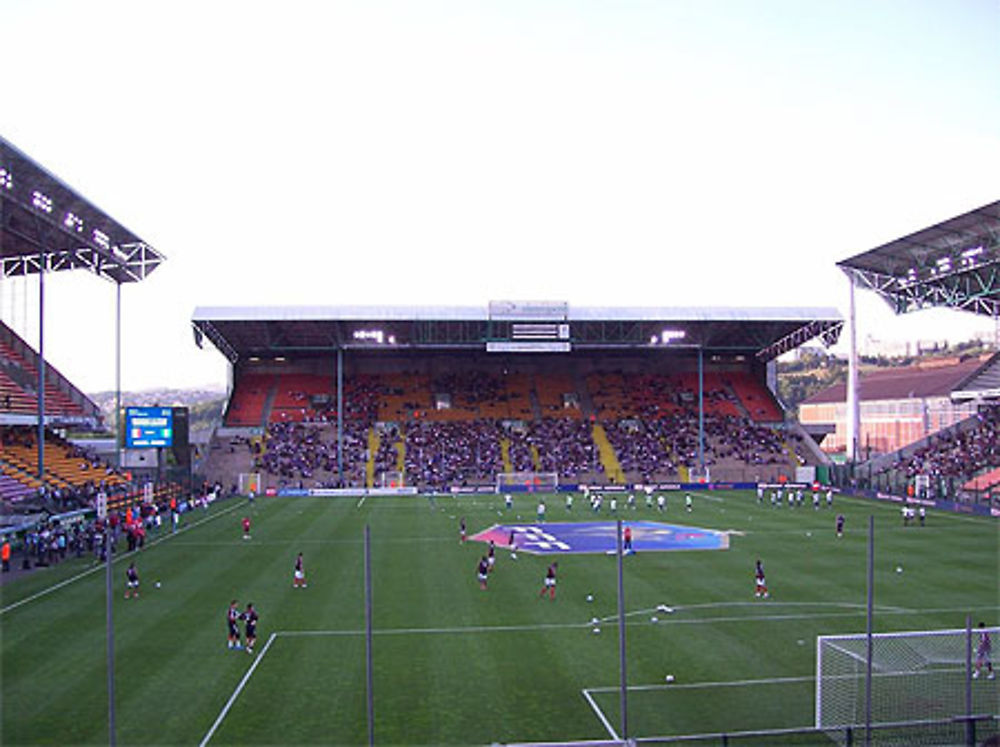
(599,537)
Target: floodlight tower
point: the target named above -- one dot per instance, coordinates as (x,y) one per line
(46,226)
(953,264)
(853,400)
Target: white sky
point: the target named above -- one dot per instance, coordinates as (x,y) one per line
(709,152)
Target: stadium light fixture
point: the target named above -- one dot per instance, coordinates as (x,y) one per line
(73,222)
(102,239)
(378,336)
(41,201)
(668,336)
(6,179)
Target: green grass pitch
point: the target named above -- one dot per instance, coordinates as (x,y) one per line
(456,665)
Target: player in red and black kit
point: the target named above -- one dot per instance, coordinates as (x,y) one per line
(232,618)
(627,540)
(299,577)
(482,572)
(131,582)
(246,527)
(550,582)
(461,530)
(250,618)
(760,584)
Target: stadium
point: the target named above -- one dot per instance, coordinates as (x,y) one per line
(389,449)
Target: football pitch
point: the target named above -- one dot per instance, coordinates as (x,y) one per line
(453,664)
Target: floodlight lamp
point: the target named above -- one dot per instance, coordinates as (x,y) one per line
(369,335)
(6,179)
(101,239)
(668,336)
(652,340)
(73,222)
(392,339)
(967,254)
(41,201)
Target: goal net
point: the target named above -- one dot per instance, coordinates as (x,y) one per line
(916,676)
(249,482)
(532,482)
(392,479)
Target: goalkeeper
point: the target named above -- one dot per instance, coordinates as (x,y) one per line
(983,653)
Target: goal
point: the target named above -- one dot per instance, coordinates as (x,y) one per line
(531,482)
(916,676)
(249,482)
(392,479)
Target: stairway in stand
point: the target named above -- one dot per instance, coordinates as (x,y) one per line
(612,467)
(373,444)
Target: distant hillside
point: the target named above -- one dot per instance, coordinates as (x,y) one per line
(815,370)
(206,405)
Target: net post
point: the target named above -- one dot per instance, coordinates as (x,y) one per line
(868,632)
(970,725)
(109,615)
(621,633)
(368,636)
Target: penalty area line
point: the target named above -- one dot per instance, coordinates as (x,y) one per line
(361,502)
(600,715)
(237,691)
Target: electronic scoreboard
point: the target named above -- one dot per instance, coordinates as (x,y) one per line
(149,427)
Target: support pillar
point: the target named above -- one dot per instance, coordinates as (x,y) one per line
(853,403)
(340,417)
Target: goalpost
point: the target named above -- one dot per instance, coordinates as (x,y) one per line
(250,482)
(916,676)
(392,479)
(530,482)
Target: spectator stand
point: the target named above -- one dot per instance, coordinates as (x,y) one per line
(952,264)
(465,392)
(46,226)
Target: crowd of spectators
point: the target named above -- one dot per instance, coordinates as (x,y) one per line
(651,421)
(439,454)
(68,491)
(297,451)
(657,448)
(956,454)
(565,446)
(442,454)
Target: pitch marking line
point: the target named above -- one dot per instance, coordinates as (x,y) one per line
(237,691)
(600,715)
(689,686)
(115,559)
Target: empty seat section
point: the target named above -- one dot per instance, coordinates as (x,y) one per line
(302,397)
(246,406)
(557,396)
